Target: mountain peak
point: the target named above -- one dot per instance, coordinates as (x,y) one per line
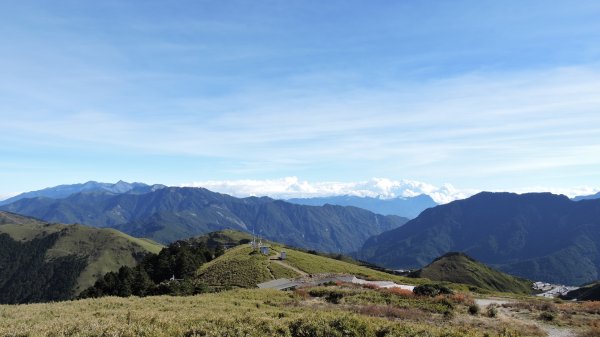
(458,267)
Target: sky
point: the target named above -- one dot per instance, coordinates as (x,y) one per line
(265,97)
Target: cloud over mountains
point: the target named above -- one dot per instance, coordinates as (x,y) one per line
(293,187)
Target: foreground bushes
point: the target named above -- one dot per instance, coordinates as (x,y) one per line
(247,313)
(432,290)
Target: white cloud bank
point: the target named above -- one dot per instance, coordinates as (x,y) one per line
(292,187)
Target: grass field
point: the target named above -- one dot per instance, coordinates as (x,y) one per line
(315,264)
(239,267)
(254,312)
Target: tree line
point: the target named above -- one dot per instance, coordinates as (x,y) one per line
(171,272)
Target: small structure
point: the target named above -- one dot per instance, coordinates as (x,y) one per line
(265,250)
(175,279)
(282,255)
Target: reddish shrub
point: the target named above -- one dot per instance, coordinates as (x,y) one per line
(404,293)
(461,298)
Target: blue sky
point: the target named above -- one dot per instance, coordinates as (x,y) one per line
(484,95)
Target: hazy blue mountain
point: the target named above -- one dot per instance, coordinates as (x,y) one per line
(587,197)
(538,236)
(409,207)
(173,213)
(63,191)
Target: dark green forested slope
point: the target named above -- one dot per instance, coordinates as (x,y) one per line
(49,262)
(28,277)
(538,236)
(172,213)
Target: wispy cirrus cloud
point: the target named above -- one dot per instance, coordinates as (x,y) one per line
(468,127)
(433,92)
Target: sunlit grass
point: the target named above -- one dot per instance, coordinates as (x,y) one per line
(241,312)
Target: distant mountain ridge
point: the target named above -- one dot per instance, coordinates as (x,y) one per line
(538,236)
(63,191)
(408,207)
(587,197)
(174,213)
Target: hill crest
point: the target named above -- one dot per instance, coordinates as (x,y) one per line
(457,267)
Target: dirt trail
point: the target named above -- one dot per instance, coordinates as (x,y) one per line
(276,259)
(551,331)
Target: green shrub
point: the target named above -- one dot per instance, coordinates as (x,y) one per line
(492,311)
(327,327)
(547,316)
(474,309)
(331,295)
(432,290)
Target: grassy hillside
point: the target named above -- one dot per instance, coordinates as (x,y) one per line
(589,292)
(242,267)
(460,268)
(238,267)
(105,250)
(57,254)
(12,218)
(315,264)
(226,237)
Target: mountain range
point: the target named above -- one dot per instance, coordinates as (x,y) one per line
(538,236)
(408,207)
(50,262)
(63,191)
(172,213)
